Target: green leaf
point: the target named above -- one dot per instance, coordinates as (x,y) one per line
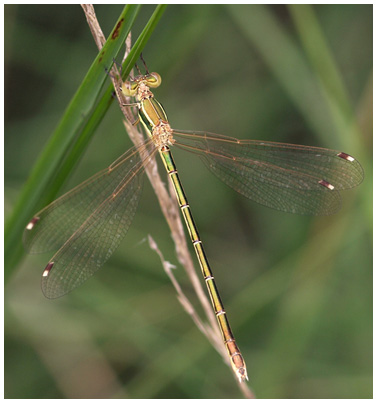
(74,131)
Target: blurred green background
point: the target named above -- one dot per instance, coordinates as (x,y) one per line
(298,290)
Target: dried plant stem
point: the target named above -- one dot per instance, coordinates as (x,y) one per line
(169,207)
(94,26)
(181,296)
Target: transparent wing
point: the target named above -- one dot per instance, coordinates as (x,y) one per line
(96,235)
(51,227)
(287,177)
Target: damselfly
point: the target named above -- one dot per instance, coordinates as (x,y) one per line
(86,225)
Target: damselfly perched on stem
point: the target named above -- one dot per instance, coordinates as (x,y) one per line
(86,224)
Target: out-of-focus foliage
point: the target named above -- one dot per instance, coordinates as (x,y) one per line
(298,290)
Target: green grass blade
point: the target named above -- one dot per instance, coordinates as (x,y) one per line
(78,143)
(61,140)
(142,39)
(287,62)
(103,105)
(324,65)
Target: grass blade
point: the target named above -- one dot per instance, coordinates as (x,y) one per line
(52,156)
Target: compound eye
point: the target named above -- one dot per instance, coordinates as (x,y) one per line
(153,80)
(129,88)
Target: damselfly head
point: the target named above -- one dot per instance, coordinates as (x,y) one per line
(150,80)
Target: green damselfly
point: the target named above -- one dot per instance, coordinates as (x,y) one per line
(86,224)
